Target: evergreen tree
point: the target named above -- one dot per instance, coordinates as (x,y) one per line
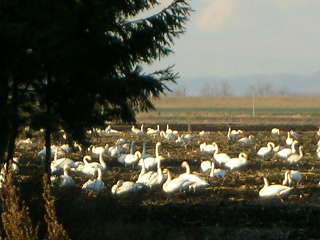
(75,64)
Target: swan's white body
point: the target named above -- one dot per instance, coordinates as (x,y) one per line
(137,131)
(286,152)
(170,131)
(65,179)
(175,185)
(126,188)
(216,172)
(57,165)
(99,150)
(295,176)
(318,152)
(276,190)
(151,162)
(169,136)
(221,158)
(266,152)
(116,150)
(204,134)
(235,163)
(275,131)
(151,179)
(294,157)
(196,181)
(205,166)
(95,185)
(111,131)
(289,140)
(153,132)
(207,148)
(246,140)
(129,159)
(91,168)
(234,135)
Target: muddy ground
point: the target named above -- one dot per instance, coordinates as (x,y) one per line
(229,209)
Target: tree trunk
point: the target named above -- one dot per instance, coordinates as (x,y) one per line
(4,121)
(47,162)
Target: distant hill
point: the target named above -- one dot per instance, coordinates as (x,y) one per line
(263,84)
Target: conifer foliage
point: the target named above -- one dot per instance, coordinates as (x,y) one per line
(75,64)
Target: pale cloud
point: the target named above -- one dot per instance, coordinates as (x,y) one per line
(216,16)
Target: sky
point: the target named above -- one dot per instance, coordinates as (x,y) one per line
(229,38)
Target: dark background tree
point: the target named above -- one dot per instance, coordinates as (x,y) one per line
(75,64)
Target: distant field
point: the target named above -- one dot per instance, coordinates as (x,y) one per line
(230,109)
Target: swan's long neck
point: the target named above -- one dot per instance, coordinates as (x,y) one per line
(285,180)
(157,150)
(141,128)
(217,149)
(102,162)
(65,171)
(158,128)
(143,149)
(99,174)
(229,132)
(212,169)
(169,177)
(186,165)
(55,155)
(300,152)
(266,183)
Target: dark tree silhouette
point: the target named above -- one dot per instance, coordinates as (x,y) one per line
(74,64)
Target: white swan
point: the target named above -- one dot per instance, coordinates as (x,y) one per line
(151,179)
(294,157)
(246,140)
(129,159)
(137,131)
(234,134)
(65,179)
(205,166)
(170,131)
(216,172)
(153,132)
(235,163)
(126,188)
(169,136)
(196,181)
(221,158)
(289,140)
(318,152)
(207,148)
(286,152)
(99,150)
(151,162)
(57,165)
(90,168)
(266,152)
(275,190)
(204,134)
(95,185)
(175,185)
(275,131)
(295,176)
